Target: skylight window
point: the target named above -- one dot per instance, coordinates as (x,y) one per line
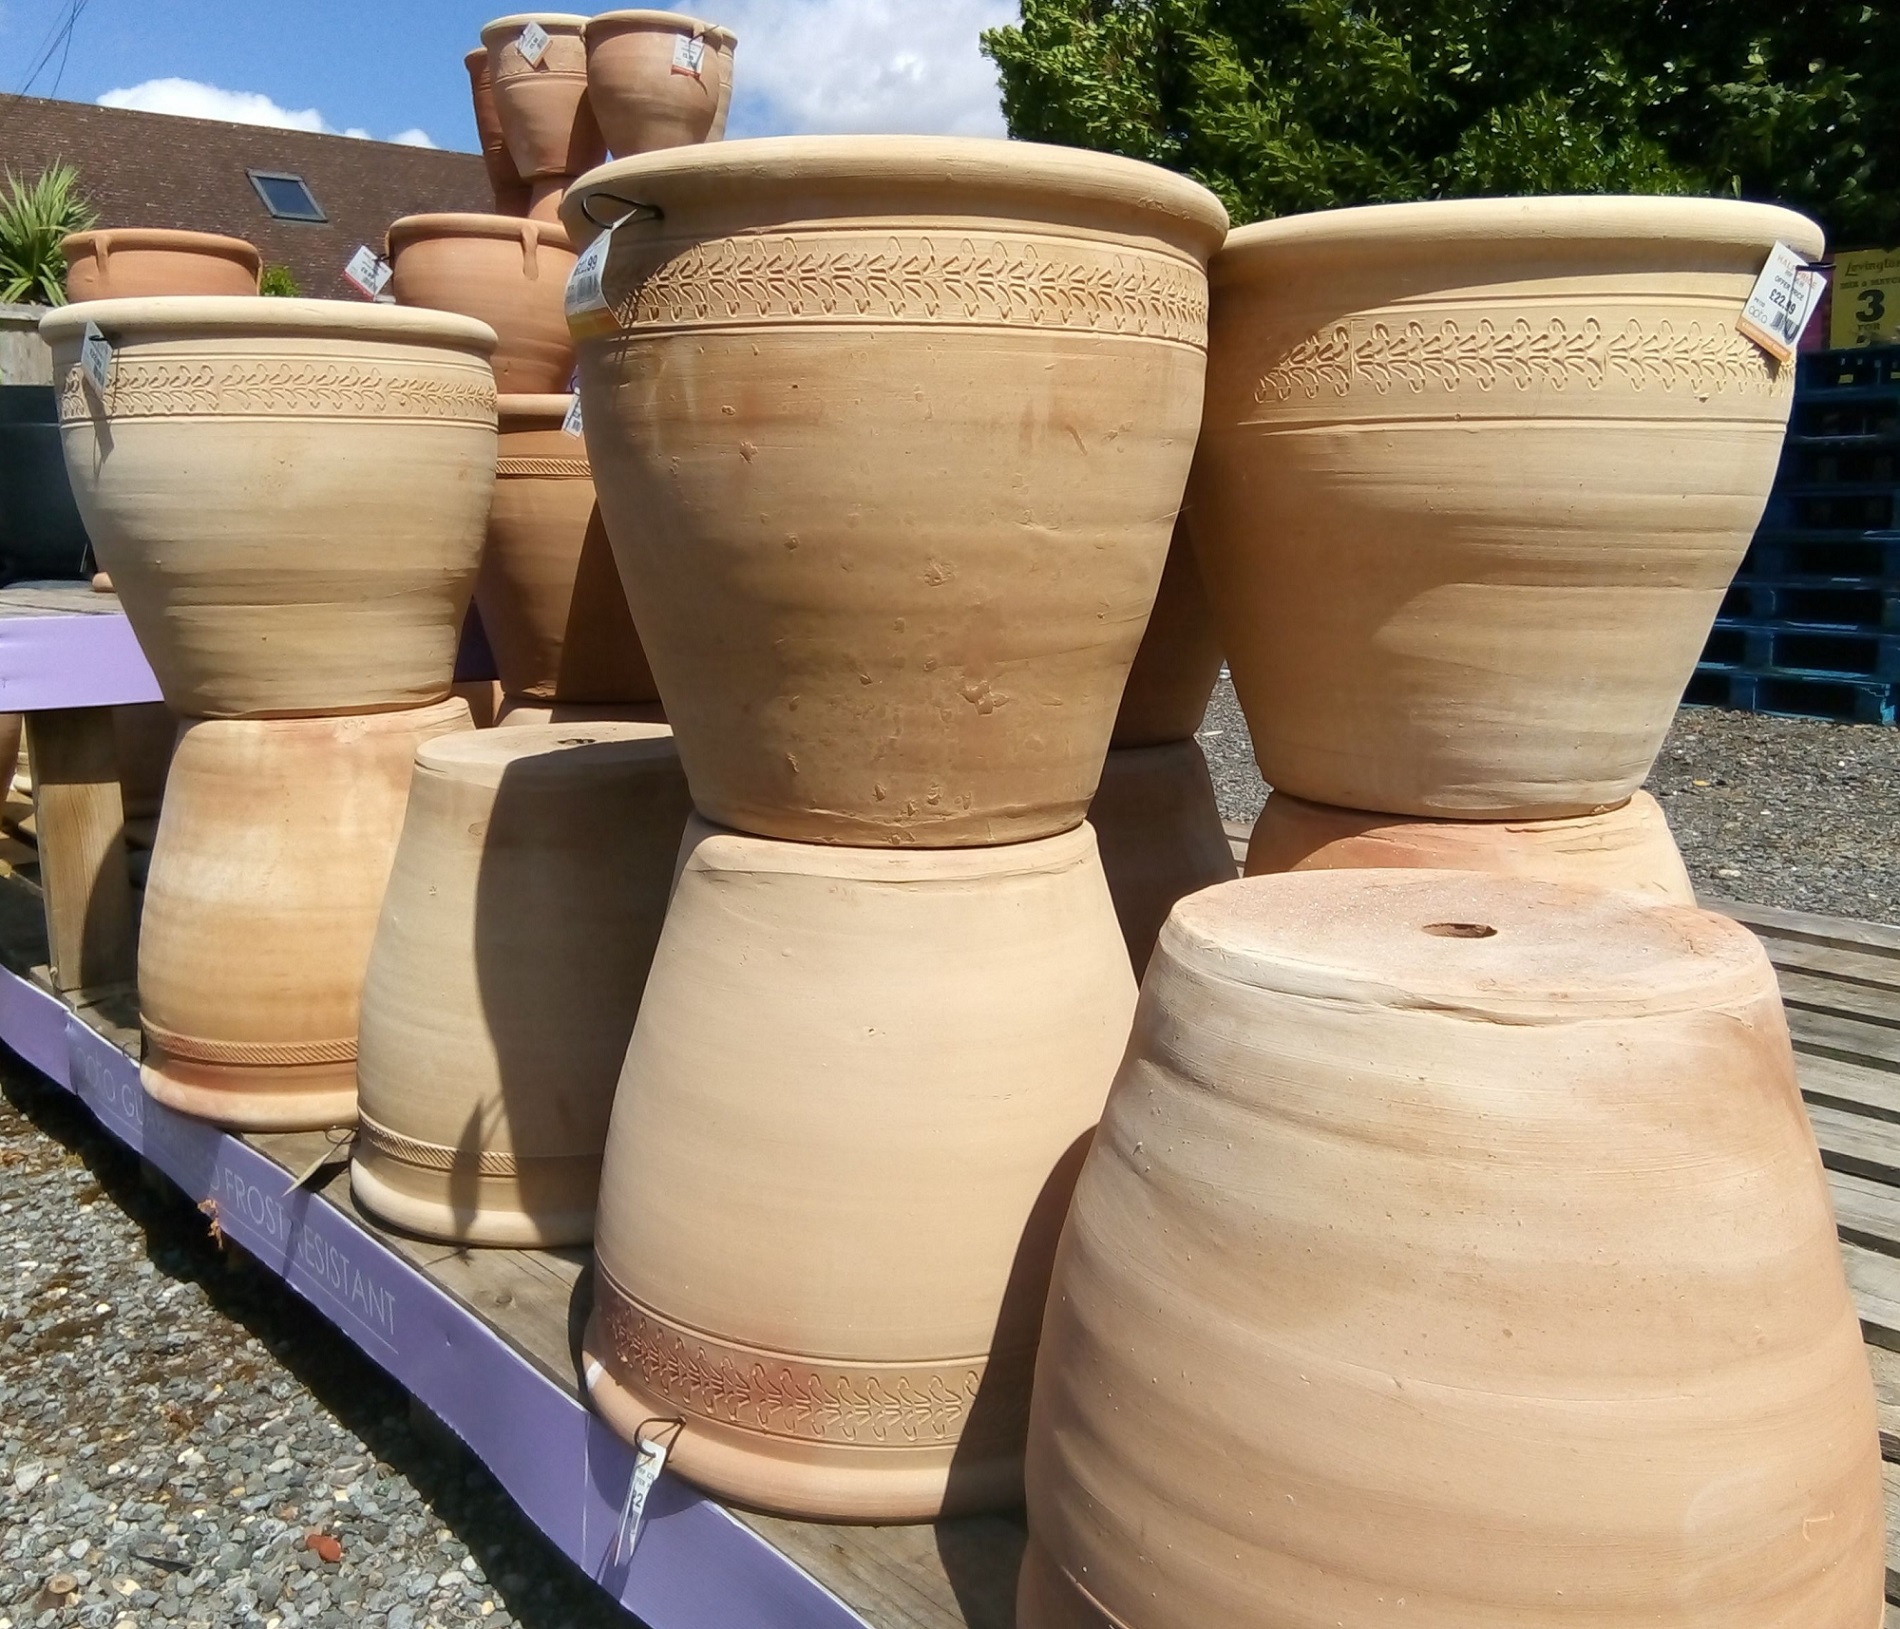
(287,197)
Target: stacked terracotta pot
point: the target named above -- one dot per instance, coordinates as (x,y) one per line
(888,436)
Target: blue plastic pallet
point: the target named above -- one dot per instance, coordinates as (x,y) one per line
(1774,649)
(1851,558)
(1795,695)
(1863,367)
(1833,509)
(1848,606)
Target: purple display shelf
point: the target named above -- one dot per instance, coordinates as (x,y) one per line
(79,659)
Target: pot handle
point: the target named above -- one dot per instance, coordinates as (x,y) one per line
(101,247)
(634,211)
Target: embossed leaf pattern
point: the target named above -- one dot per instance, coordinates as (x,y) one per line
(294,389)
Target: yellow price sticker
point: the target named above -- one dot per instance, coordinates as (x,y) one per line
(1866,299)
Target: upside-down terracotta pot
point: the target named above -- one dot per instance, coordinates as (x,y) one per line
(504,180)
(1629,847)
(1161,836)
(657,79)
(290,495)
(545,115)
(1457,1241)
(274,847)
(889,434)
(501,270)
(1178,662)
(856,1096)
(136,262)
(522,911)
(550,597)
(1473,479)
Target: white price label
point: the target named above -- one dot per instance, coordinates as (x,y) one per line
(646,1471)
(689,53)
(533,44)
(368,271)
(586,299)
(1780,304)
(571,425)
(95,358)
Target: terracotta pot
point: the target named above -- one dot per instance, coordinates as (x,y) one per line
(1161,836)
(1178,662)
(1628,847)
(545,198)
(135,262)
(545,114)
(514,713)
(1473,479)
(484,700)
(144,736)
(504,180)
(550,596)
(273,850)
(290,495)
(1457,1240)
(506,272)
(643,96)
(888,444)
(527,895)
(825,1231)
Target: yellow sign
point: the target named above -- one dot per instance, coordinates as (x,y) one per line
(1866,299)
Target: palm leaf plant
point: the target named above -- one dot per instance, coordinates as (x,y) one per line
(34,217)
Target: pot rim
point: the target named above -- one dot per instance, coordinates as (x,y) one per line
(532,404)
(161,237)
(467,224)
(672,21)
(893,865)
(555,22)
(1558,221)
(479,54)
(481,757)
(934,171)
(202,316)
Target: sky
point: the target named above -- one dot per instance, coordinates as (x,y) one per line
(393,71)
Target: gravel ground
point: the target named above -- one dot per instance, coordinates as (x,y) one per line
(1793,812)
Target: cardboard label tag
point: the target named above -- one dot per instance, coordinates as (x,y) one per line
(646,1471)
(571,425)
(533,44)
(368,271)
(95,358)
(689,54)
(1783,299)
(585,302)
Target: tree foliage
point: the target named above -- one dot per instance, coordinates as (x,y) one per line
(279,282)
(34,217)
(1286,105)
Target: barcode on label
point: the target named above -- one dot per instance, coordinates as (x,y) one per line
(533,44)
(95,357)
(646,1471)
(688,54)
(571,425)
(1781,303)
(368,271)
(586,298)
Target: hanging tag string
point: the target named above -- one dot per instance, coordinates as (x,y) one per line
(652,1443)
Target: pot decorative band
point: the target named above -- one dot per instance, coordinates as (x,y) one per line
(895,1405)
(276,388)
(556,469)
(250,1054)
(493,1162)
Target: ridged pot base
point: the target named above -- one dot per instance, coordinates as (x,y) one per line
(252,1097)
(537,1204)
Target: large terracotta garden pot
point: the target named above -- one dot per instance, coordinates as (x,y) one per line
(504,180)
(1178,662)
(501,270)
(856,1096)
(644,95)
(545,114)
(1473,479)
(889,434)
(526,899)
(1628,847)
(1457,1241)
(274,847)
(136,262)
(550,596)
(290,495)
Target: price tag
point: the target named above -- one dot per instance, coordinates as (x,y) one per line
(95,358)
(646,1471)
(689,52)
(368,271)
(1866,298)
(533,44)
(1781,302)
(571,425)
(588,314)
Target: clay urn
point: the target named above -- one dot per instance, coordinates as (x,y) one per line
(501,270)
(1629,847)
(657,79)
(523,907)
(132,262)
(1161,836)
(889,434)
(1473,479)
(856,1095)
(545,114)
(550,597)
(1178,662)
(274,848)
(504,180)
(1461,1241)
(290,495)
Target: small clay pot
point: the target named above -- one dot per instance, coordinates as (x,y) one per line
(522,911)
(645,93)
(549,594)
(503,270)
(504,181)
(545,114)
(130,262)
(1178,663)
(1629,847)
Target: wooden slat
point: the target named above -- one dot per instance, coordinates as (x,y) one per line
(1852,1040)
(1850,1000)
(1875,1281)
(1827,930)
(1873,968)
(1857,1143)
(1854,1087)
(80,826)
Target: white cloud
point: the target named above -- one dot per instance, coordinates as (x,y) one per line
(193,99)
(864,66)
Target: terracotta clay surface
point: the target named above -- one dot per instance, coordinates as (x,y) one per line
(513,713)
(503,271)
(1161,836)
(522,911)
(144,735)
(273,850)
(133,262)
(549,594)
(889,437)
(1457,1240)
(644,95)
(1473,479)
(295,527)
(545,114)
(504,180)
(1628,847)
(1178,662)
(856,1096)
